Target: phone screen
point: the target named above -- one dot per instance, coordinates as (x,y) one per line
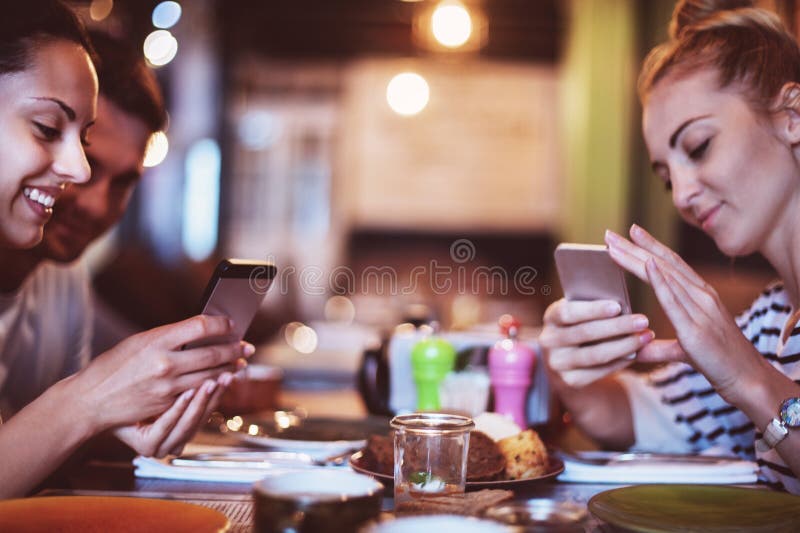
(236,290)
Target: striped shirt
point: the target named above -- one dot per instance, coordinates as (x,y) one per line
(703,419)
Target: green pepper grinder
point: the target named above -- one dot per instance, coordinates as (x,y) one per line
(431,360)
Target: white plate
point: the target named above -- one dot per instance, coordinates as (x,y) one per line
(315,449)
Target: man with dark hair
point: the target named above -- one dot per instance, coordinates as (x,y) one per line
(54,330)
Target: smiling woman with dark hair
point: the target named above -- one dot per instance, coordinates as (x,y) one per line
(48,87)
(49,93)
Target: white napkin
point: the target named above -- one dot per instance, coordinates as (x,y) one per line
(716,471)
(150,467)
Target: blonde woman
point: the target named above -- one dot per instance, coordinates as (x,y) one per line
(721,121)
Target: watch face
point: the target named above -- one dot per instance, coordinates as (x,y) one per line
(790,412)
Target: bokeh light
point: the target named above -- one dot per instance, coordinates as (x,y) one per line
(451,24)
(166,14)
(100,9)
(259,129)
(160,47)
(157,148)
(288,331)
(407,93)
(305,339)
(340,309)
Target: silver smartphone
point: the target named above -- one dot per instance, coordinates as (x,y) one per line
(236,290)
(587,272)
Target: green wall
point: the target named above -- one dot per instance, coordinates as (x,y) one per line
(597,105)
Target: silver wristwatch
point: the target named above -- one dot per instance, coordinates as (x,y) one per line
(778,428)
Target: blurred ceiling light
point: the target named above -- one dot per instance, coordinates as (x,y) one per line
(157,148)
(304,339)
(407,93)
(166,14)
(100,9)
(451,24)
(340,309)
(160,48)
(258,129)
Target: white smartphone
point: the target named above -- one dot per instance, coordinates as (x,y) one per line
(236,290)
(587,272)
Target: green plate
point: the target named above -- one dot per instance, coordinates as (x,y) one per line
(700,508)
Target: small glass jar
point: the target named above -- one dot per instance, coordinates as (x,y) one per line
(430,454)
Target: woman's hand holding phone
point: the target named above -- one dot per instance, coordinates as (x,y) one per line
(591,332)
(584,341)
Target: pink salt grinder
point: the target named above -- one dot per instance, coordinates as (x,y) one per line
(510,369)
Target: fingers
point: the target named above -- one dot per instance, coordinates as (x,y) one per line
(564,312)
(580,335)
(584,376)
(187,361)
(683,271)
(632,256)
(662,351)
(593,331)
(196,379)
(147,440)
(212,404)
(173,336)
(595,355)
(666,290)
(642,238)
(191,418)
(165,423)
(626,255)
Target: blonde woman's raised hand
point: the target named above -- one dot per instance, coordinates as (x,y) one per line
(707,333)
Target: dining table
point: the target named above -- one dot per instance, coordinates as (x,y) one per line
(108,476)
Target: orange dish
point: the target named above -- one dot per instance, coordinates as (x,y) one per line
(107,514)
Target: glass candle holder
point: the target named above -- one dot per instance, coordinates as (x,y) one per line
(430,454)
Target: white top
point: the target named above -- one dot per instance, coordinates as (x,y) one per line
(45,333)
(675,408)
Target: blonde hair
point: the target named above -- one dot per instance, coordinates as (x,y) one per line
(746,45)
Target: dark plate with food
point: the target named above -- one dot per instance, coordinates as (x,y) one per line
(511,463)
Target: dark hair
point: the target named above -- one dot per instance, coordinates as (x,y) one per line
(744,44)
(127,81)
(27,23)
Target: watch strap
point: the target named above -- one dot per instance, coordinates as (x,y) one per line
(775,432)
